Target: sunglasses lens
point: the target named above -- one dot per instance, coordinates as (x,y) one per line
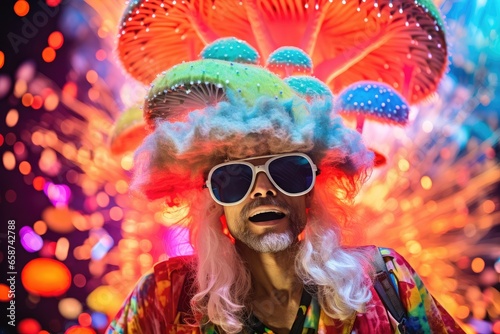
(230,183)
(293,174)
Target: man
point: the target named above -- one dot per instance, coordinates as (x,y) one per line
(278,173)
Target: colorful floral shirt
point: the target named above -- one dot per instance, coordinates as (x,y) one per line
(153,306)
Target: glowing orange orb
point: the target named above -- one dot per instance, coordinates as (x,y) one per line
(59,220)
(46,277)
(79,330)
(38,183)
(48,54)
(4,293)
(29,326)
(21,8)
(56,40)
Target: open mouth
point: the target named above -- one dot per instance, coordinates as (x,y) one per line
(264,216)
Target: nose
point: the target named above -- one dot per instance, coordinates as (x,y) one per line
(262,187)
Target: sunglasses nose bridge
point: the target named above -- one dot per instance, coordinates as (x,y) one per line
(262,186)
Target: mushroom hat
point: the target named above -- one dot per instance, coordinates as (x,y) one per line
(208,111)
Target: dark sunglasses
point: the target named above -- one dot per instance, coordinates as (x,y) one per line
(293,174)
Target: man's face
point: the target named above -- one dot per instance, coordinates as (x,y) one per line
(267,221)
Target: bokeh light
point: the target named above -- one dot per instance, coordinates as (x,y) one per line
(25,168)
(79,280)
(29,326)
(489,206)
(70,89)
(40,227)
(30,240)
(49,54)
(27,99)
(20,150)
(70,308)
(79,330)
(10,138)
(53,3)
(104,299)
(9,160)
(5,85)
(2,60)
(92,76)
(116,213)
(37,102)
(59,194)
(46,277)
(10,195)
(62,249)
(56,40)
(84,319)
(4,292)
(51,102)
(477,265)
(12,118)
(20,88)
(426,182)
(462,312)
(101,55)
(21,7)
(38,183)
(99,320)
(496,327)
(59,219)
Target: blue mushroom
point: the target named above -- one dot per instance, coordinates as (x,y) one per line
(309,87)
(372,100)
(289,60)
(231,49)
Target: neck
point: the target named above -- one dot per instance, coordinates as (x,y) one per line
(273,274)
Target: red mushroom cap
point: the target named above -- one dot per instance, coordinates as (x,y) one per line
(399,42)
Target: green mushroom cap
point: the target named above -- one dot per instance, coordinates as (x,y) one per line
(198,84)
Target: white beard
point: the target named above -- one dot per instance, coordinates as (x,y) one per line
(271,242)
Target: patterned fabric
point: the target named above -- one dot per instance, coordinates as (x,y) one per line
(153,306)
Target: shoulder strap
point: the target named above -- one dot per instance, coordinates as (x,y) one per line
(387,292)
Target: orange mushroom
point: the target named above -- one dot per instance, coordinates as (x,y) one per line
(399,42)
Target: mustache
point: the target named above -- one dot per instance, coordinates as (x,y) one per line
(261,201)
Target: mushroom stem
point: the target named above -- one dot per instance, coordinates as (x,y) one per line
(265,42)
(408,78)
(313,28)
(331,68)
(360,122)
(203,31)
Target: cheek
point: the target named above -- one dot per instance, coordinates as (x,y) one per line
(301,206)
(232,217)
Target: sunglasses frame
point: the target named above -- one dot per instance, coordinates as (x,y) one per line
(261,168)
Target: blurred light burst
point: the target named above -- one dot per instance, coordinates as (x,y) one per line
(435,200)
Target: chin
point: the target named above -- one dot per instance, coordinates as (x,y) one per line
(271,242)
